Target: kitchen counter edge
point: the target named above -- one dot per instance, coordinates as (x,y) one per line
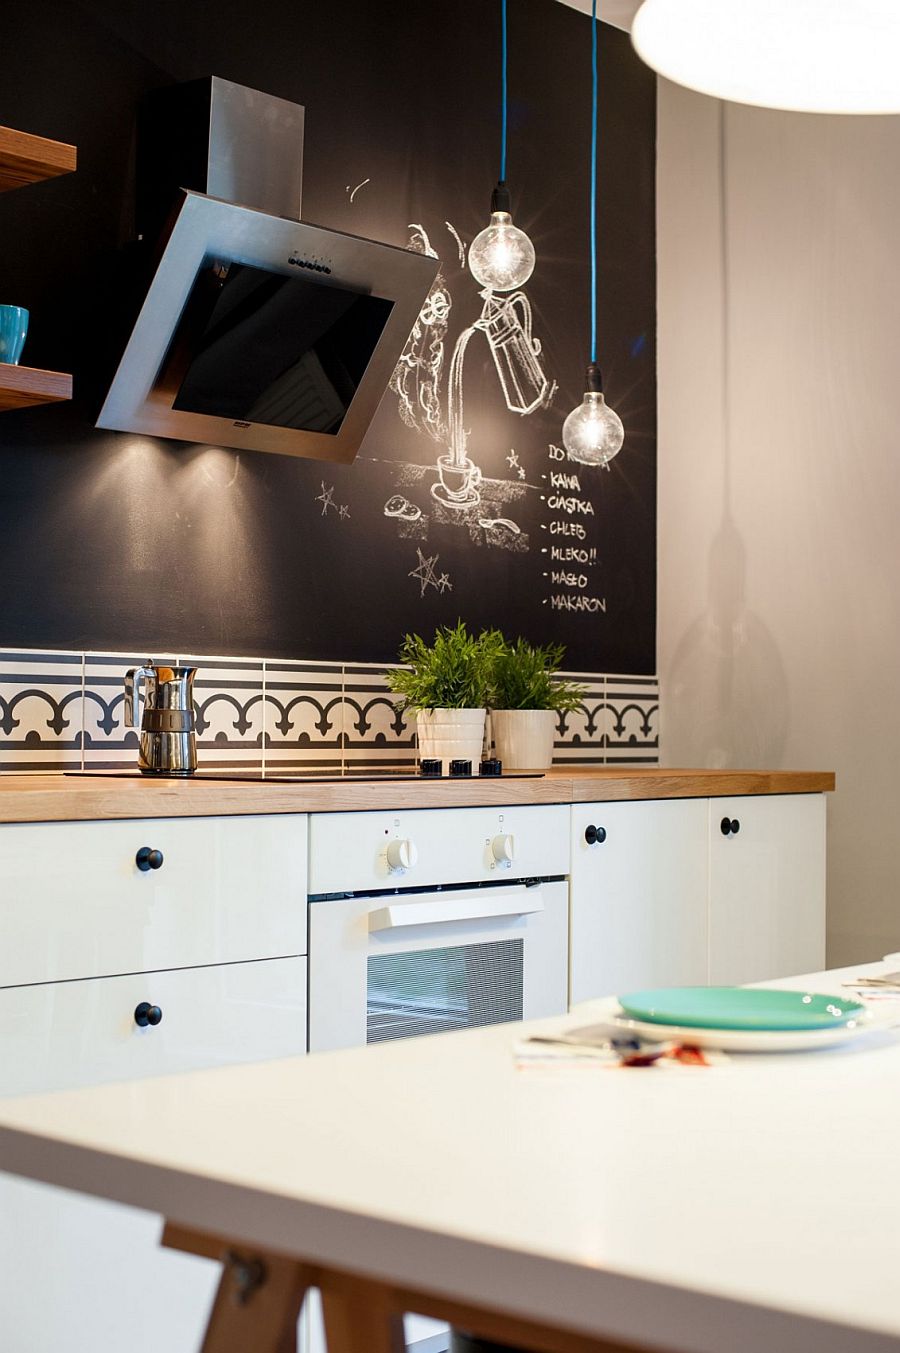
(60,798)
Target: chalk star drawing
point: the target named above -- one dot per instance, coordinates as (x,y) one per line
(521,472)
(344,512)
(512,459)
(427,576)
(326,498)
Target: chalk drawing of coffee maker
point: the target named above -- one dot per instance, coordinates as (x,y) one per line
(505,322)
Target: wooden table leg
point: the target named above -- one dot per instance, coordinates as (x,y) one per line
(260,1295)
(360,1316)
(258,1301)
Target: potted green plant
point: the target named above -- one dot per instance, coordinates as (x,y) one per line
(447,683)
(527,697)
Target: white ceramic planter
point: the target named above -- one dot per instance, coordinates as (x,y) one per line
(451,734)
(523,738)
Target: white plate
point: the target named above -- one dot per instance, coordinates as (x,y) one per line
(735,1040)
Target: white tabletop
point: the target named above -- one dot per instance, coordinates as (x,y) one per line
(752,1206)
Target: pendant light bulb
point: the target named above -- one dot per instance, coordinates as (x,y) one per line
(501,257)
(593,433)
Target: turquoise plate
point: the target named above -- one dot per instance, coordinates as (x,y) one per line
(739,1008)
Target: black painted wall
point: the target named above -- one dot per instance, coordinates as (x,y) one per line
(112,541)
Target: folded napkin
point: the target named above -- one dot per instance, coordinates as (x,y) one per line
(607,1046)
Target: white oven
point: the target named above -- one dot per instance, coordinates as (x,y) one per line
(424,921)
(427,920)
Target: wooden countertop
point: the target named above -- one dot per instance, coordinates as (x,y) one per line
(61,798)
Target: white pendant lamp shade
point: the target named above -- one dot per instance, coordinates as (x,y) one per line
(813,56)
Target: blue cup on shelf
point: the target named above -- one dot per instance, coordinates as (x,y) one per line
(13,328)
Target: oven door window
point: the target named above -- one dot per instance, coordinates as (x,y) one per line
(432,991)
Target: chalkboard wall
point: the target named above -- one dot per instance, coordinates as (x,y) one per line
(114,541)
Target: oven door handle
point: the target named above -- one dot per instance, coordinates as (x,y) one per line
(477,907)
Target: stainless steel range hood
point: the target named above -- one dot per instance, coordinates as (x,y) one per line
(260,331)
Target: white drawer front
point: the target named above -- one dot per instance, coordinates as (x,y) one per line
(348,851)
(70,1034)
(73,902)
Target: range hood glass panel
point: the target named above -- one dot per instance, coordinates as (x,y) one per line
(155,390)
(284,351)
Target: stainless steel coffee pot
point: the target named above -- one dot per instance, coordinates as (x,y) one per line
(168,739)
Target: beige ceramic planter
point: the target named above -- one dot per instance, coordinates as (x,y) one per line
(523,738)
(451,734)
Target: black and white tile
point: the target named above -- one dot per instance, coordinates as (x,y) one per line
(375,734)
(304,716)
(65,711)
(107,742)
(632,705)
(40,710)
(581,734)
(229,707)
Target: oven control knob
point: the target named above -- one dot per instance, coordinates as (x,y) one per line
(503,849)
(402,855)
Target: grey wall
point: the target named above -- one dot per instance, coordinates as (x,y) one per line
(779,484)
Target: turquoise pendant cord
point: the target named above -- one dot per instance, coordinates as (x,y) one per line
(503,63)
(595,84)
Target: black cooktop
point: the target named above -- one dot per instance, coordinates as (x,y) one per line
(299,778)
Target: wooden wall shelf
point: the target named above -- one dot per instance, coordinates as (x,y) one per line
(21,386)
(29,159)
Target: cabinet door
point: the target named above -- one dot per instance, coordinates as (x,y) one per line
(74,901)
(638,897)
(63,1035)
(766,887)
(88,1276)
(81,1275)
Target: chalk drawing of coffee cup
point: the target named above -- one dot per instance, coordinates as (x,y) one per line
(459,482)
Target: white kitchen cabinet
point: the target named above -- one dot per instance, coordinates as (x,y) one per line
(669,899)
(87,1276)
(216,938)
(62,1035)
(78,1275)
(766,887)
(639,896)
(74,903)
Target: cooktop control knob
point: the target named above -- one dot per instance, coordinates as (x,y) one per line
(492,766)
(431,766)
(402,855)
(459,767)
(503,848)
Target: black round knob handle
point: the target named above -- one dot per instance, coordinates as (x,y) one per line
(735,826)
(145,1014)
(730,826)
(148,859)
(595,836)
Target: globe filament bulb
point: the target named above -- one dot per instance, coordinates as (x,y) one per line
(593,433)
(501,257)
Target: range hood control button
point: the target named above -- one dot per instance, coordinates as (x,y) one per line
(402,855)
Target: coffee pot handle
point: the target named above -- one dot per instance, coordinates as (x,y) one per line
(133,694)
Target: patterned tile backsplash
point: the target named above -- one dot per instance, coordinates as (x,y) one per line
(65,711)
